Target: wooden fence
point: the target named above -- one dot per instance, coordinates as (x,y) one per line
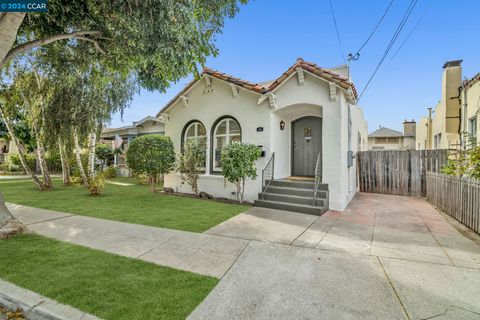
(458,197)
(398,172)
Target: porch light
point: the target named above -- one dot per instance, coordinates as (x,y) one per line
(282,125)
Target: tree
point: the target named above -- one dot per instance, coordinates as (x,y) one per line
(27,94)
(191,162)
(152,155)
(238,164)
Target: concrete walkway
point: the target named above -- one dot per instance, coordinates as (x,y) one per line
(385,257)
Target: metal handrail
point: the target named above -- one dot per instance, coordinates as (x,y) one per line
(267,174)
(317,179)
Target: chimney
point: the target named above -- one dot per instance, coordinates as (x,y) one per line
(451,81)
(409,128)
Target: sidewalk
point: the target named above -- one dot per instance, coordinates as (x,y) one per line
(205,254)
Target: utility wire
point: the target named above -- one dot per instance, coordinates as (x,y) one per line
(338,34)
(407,14)
(408,36)
(355,56)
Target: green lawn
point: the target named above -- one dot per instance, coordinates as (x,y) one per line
(134,204)
(106,285)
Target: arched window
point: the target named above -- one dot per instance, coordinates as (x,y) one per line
(194,130)
(225,131)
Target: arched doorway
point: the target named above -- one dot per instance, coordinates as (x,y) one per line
(306,145)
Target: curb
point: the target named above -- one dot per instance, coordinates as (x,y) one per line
(36,306)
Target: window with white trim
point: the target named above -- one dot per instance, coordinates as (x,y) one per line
(195,130)
(225,132)
(472,128)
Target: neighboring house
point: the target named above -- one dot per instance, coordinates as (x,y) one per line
(7,148)
(470,109)
(148,125)
(308,113)
(389,139)
(441,130)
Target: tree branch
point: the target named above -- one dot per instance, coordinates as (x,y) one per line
(95,42)
(81,35)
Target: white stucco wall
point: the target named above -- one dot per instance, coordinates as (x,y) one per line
(293,101)
(207,108)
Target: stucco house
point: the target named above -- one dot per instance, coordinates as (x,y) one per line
(306,123)
(388,139)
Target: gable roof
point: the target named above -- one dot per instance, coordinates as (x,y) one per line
(471,82)
(385,132)
(316,70)
(268,86)
(135,124)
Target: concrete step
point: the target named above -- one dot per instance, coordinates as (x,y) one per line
(321,194)
(302,208)
(291,199)
(309,185)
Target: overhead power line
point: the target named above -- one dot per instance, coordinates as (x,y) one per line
(408,36)
(355,56)
(338,34)
(402,23)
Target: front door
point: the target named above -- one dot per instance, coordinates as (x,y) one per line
(306,145)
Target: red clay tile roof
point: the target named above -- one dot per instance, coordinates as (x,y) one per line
(268,86)
(317,70)
(471,82)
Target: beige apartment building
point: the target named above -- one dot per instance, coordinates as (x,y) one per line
(470,109)
(389,139)
(441,128)
(455,118)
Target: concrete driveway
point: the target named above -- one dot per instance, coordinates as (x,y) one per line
(385,257)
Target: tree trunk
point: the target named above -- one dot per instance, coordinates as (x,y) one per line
(243,190)
(47,181)
(9,24)
(21,152)
(64,160)
(239,191)
(92,139)
(83,176)
(9,225)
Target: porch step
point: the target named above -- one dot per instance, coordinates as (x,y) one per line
(294,199)
(297,191)
(302,208)
(308,185)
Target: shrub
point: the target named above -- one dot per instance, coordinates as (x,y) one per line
(191,162)
(466,163)
(29,158)
(110,172)
(53,160)
(96,184)
(238,163)
(74,170)
(142,178)
(152,155)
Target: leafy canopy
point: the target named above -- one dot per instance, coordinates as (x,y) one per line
(161,41)
(151,155)
(238,161)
